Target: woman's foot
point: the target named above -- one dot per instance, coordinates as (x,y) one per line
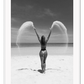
(43,68)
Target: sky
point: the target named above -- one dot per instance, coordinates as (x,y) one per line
(42,13)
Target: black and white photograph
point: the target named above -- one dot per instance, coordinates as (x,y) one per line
(42,42)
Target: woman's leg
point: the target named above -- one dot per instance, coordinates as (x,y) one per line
(44,61)
(43,56)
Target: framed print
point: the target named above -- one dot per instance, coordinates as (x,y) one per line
(42,41)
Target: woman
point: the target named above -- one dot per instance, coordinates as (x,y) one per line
(43,52)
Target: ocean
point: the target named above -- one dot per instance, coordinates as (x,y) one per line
(38,44)
(27,49)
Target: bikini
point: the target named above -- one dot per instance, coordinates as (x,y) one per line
(43,53)
(43,49)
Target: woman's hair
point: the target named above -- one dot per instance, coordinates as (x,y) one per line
(43,40)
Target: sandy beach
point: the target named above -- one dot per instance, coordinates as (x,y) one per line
(25,69)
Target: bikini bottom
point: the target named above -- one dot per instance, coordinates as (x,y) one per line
(43,55)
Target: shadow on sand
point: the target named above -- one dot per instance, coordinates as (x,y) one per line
(39,70)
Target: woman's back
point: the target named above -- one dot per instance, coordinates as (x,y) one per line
(43,43)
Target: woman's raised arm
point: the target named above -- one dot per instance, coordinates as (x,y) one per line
(37,34)
(49,35)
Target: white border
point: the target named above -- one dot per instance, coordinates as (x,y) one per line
(76,39)
(82,41)
(7,40)
(7,33)
(1,42)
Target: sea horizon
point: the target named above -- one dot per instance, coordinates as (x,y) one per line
(38,44)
